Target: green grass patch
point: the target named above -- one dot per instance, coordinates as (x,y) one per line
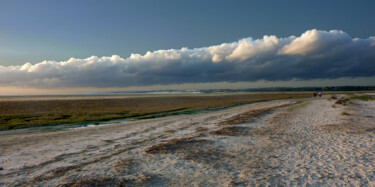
(16,114)
(344,113)
(342,101)
(363,97)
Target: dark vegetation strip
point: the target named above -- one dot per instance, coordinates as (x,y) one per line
(174,144)
(363,97)
(251,115)
(30,113)
(345,100)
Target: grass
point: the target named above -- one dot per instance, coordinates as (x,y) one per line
(15,114)
(342,101)
(245,117)
(100,181)
(173,145)
(344,113)
(234,131)
(122,165)
(333,97)
(138,180)
(345,101)
(363,97)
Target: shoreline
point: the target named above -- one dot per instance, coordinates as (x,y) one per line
(18,114)
(88,124)
(295,144)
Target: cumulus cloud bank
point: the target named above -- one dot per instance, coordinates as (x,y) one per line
(314,54)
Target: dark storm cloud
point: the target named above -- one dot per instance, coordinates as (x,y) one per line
(314,54)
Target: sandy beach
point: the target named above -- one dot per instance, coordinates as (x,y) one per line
(303,142)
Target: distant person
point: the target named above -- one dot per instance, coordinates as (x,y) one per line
(320,94)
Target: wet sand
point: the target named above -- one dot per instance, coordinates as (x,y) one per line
(285,142)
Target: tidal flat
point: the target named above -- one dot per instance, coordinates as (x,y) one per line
(288,142)
(23,112)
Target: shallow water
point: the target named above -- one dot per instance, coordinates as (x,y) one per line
(9,133)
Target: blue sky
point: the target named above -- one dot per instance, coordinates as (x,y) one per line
(34,31)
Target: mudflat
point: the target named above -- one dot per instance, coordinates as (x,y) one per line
(314,141)
(21,112)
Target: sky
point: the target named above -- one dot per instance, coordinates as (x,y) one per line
(78,46)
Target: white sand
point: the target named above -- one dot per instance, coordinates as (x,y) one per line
(294,145)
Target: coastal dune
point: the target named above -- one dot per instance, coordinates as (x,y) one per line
(285,142)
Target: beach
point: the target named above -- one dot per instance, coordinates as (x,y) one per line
(288,142)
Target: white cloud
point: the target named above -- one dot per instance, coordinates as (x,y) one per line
(314,54)
(316,41)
